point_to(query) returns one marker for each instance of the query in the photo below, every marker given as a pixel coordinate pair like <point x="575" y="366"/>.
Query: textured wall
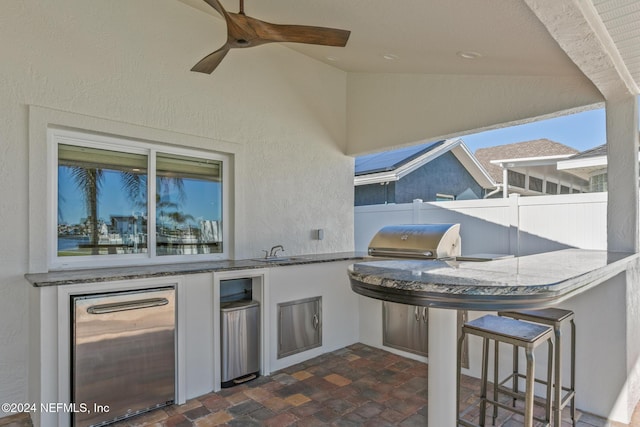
<point x="128" y="62"/>
<point x="419" y="107"/>
<point x="443" y="175"/>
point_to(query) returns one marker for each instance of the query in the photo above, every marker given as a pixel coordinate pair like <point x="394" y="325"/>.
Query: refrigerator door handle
<point x="129" y="305"/>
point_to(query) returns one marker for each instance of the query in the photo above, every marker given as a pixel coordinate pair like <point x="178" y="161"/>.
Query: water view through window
<point x="188" y="205"/>
<point x="103" y="203"/>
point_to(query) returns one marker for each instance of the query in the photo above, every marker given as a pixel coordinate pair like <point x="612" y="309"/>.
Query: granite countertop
<point x="512" y="283"/>
<point x="94" y="275"/>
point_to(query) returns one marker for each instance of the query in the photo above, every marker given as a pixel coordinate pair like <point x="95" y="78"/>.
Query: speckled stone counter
<point x="524" y="282"/>
<point x="95" y="275"/>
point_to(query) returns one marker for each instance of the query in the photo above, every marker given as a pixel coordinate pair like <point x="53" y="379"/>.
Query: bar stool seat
<point x="520" y="334"/>
<point x="554" y="317"/>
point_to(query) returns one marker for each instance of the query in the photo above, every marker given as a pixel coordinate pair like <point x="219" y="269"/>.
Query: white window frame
<point x="57" y="136"/>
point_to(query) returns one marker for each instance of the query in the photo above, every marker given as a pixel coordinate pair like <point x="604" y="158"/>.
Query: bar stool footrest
<point x="519" y="411"/>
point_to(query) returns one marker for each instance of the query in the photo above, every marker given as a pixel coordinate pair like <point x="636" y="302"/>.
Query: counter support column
<point x="442" y="367"/>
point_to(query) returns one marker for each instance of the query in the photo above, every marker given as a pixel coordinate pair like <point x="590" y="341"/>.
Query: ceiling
<point x="512" y="37"/>
<point x="423" y="36"/>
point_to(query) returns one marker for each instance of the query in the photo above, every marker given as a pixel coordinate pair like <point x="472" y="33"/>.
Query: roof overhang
<point x="543" y="166"/>
<point x="586" y="166"/>
<point x="530" y="161"/>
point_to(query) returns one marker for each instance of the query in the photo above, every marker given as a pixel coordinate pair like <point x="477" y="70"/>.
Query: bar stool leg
<point x="550" y="370"/>
<point x="573" y="372"/>
<point x="483" y="381"/>
<point x="528" y="403"/>
<point x="496" y="351"/>
<point x="557" y="384"/>
<point x="459" y="373"/>
<point x="516" y="377"/>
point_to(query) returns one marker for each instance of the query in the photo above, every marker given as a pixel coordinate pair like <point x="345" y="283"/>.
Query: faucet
<point x="274" y="251"/>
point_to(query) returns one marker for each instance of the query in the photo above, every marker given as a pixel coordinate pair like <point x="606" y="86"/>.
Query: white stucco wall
<point x="126" y="65"/>
<point x="420" y="107"/>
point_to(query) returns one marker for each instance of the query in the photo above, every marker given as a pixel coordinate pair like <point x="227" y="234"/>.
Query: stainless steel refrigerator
<point x="123" y="354"/>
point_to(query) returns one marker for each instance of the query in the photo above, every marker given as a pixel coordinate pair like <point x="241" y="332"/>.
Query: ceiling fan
<point x="245" y="31"/>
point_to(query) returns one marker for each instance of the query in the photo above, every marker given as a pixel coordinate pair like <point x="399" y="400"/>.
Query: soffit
<point x="425" y="36"/>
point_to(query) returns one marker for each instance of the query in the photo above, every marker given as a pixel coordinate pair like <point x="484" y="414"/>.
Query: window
<point x="552" y="188"/>
<point x="105" y="214"/>
<point x="598" y="182"/>
<point x="535" y="184"/>
<point x="444" y="197"/>
<point x="515" y="178"/>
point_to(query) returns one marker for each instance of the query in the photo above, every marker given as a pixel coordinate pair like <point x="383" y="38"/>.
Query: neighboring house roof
<point x="526" y="153"/>
<point x="585" y="163"/>
<point x="393" y="165"/>
<point x="391" y="160"/>
<point x="599" y="151"/>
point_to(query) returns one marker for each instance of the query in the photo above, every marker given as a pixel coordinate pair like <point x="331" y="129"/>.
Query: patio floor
<point x="354" y="386"/>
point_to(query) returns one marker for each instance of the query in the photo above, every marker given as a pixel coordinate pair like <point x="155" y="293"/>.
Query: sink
<point x="280" y="259"/>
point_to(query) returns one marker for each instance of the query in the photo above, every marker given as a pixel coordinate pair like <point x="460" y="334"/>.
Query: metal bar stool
<point x="520" y="334"/>
<point x="553" y="317"/>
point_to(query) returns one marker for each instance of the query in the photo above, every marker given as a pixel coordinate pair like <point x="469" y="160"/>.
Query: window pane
<point x="188" y="205"/>
<point x="515" y="178"/>
<point x="102" y="202"/>
<point x="535" y="184"/>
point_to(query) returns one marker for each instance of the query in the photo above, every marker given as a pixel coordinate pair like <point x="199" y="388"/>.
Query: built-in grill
<point x="422" y="241"/>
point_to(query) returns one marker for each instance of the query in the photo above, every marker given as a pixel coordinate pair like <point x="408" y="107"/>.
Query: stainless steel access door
<point x="123" y="353"/>
<point x="405" y="327"/>
<point x="299" y="326"/>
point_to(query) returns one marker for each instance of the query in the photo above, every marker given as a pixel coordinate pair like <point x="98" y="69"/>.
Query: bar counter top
<point x="95" y="275"/>
<point x="530" y="281"/>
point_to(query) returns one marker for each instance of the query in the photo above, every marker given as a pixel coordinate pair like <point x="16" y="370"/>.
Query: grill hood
<point x="423" y="241"/>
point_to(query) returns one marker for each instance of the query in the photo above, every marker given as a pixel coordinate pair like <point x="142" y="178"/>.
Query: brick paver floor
<point x="354" y="386"/>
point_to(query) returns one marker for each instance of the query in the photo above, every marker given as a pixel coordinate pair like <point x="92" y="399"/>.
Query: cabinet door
<point x="405" y="327"/>
<point x="299" y="326"/>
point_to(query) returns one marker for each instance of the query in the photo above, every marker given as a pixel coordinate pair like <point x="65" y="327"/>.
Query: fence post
<point x="417" y="211"/>
<point x="514" y="224"/>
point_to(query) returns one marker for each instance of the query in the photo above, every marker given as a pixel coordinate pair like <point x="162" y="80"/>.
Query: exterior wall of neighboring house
<point x="375" y="194"/>
<point x="443" y="175"/>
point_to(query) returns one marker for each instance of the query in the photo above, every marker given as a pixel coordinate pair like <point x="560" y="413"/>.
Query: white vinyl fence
<point x="517" y="225"/>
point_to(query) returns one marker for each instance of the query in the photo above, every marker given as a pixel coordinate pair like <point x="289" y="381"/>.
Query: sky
<point x="580" y="131"/>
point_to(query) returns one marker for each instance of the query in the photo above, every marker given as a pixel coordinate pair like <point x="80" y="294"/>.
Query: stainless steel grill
<point x="422" y="241"/>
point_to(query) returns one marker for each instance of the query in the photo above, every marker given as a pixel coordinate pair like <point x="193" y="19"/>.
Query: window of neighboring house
<point x="515" y="178"/>
<point x="444" y="197"/>
<point x="105" y="214"/>
<point x="535" y="184"/>
<point x="552" y="187"/>
<point x="564" y="189"/>
<point x="598" y="183"/>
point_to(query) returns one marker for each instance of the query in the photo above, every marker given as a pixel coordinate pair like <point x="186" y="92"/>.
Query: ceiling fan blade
<point x="301" y="34"/>
<point x="211" y="61"/>
<point x="217" y="6"/>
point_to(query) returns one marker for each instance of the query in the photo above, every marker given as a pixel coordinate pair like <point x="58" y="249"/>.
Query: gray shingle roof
<point x="600" y="150"/>
<point x="519" y="150"/>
